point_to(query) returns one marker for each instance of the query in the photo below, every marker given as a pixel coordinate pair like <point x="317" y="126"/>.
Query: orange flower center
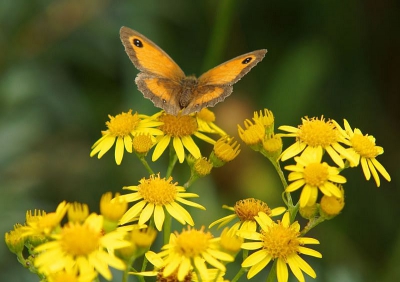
<point x="316" y="174"/>
<point x="247" y="209"/>
<point x="364" y="146"/>
<point x="178" y="126"/>
<point x="317" y="132"/>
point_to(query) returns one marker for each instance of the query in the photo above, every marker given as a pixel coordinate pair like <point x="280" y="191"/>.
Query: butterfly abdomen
<point x="188" y="87"/>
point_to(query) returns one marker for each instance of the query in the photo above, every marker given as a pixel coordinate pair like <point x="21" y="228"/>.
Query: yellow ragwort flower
<point x="42" y="223"/>
<point x="202" y="166"/>
<point x="205" y="121"/>
<point x="279" y="241"/>
<point x="155" y="195"/>
<point x="363" y="148"/>
<point x="14" y="240"/>
<point x="71" y="275"/>
<point x="245" y="210"/>
<point x="331" y="206"/>
<point x="179" y="130"/>
<point x="253" y="134"/>
<point x="142" y="144"/>
<point x="112" y="210"/>
<point x="230" y="241"/>
<point x="225" y="150"/>
<point x="311" y="173"/>
<point x="214" y="275"/>
<point x="122" y="128"/>
<point x="316" y="135"/>
<point x="192" y="249"/>
<point x="77" y="212"/>
<point x="84" y="246"/>
<point x="266" y="119"/>
<point x="141" y="240"/>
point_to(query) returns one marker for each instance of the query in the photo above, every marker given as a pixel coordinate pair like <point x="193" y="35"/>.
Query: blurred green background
<point x="63" y="69"/>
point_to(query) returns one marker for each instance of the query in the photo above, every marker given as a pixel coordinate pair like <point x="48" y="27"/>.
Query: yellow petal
<point x="160" y="147"/>
<point x="178" y="146"/>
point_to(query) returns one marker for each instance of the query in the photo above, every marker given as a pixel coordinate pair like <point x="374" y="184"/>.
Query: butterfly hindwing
<point x="164" y="93"/>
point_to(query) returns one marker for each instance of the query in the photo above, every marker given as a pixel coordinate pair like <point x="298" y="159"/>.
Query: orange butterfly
<point x="163" y="82"/>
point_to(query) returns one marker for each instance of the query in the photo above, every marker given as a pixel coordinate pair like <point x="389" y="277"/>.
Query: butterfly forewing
<point x="147" y="56"/>
<point x="233" y="70"/>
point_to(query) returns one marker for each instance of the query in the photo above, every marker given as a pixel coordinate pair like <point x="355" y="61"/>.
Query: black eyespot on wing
<point x="137" y="43"/>
<point x="247" y="60"/>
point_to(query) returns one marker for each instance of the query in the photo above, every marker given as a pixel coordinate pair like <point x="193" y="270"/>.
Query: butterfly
<point x="163" y="82"/>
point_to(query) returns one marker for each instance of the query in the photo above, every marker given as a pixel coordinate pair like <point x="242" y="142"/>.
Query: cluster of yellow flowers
<point x="72" y="244"/>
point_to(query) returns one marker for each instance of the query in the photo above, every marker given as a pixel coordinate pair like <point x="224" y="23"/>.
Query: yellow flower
<point x="213" y="274"/>
<point x="230" y="241"/>
<point x="279" y="241"/>
<point x="202" y="167"/>
<point x="42" y="223"/>
<point x="112" y="210"/>
<point x="311" y="173"/>
<point x="266" y="119"/>
<point x="14" y="239"/>
<point x="141" y="240"/>
<point x="225" y="150"/>
<point x="253" y="134"/>
<point x="123" y="128"/>
<point x="77" y="212"/>
<point x="155" y="195"/>
<point x="272" y="146"/>
<point x="71" y="275"/>
<point x="314" y="136"/>
<point x="179" y="130"/>
<point x="245" y="210"/>
<point x="142" y="144"/>
<point x="205" y="121"/>
<point x="331" y="205"/>
<point x="192" y="249"/>
<point x="362" y="147"/>
<point x="82" y="246"/>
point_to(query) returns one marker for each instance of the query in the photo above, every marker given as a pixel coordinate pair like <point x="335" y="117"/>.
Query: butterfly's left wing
<point x="216" y="84"/>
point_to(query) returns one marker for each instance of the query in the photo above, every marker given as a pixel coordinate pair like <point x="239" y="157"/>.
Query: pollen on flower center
<point x="316" y="174"/>
<point x="178" y="126"/>
<point x="192" y="242"/>
<point x="158" y="191"/>
<point x="279" y="241"/>
<point x="79" y="240"/>
<point x="247" y="209"/>
<point x="317" y="132"/>
<point x="121" y="125"/>
<point x="364" y="146"/>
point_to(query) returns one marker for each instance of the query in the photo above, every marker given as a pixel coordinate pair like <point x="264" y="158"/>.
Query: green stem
<point x="311" y="224"/>
<point x="128" y="268"/>
<point x="191" y="180"/>
<point x="167" y="228"/>
<point x="272" y="274"/>
<point x="173" y="158"/>
<point x="146" y="164"/>
<point x="223" y="20"/>
<point x="243" y="269"/>
<point x="239" y="274"/>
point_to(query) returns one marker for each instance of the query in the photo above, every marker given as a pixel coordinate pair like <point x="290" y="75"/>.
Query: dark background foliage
<point x="63" y="69"/>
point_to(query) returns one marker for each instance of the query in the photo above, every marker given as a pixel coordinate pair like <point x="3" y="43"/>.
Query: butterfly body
<point x="163" y="82"/>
